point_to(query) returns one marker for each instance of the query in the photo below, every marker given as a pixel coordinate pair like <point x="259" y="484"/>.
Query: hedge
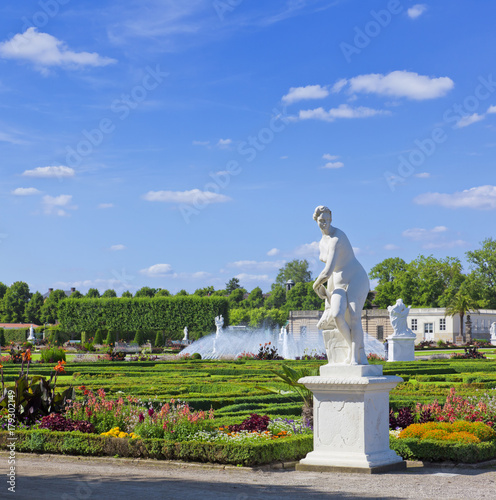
<point x="170" y="314"/>
<point x="15" y="335"/>
<point x="77" y="443"/>
<point x="435" y="450"/>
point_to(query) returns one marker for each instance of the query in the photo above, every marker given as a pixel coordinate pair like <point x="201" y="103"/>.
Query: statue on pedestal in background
<point x="346" y="292"/>
<point x="398" y="315"/>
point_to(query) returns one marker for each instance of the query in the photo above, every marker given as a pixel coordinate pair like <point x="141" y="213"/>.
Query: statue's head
<point x="323" y="216"/>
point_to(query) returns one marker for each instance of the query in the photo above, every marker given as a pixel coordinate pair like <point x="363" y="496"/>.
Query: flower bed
<point x="461" y="441"/>
<point x="256" y="452"/>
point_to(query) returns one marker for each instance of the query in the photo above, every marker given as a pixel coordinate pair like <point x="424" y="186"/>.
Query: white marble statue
<point x="345" y="295"/>
<point x="219" y="323"/>
<point x="398" y="315"/>
<point x="186" y="334"/>
<point x="493" y="333"/>
<point x="31" y="333"/>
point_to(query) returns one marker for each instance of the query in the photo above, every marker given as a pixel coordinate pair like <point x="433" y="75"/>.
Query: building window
<point x="414" y="325"/>
<point x="380" y="333"/>
<point x="442" y="324"/>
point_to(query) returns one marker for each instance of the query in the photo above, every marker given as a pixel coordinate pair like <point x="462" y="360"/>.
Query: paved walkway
<point x="41" y="477"/>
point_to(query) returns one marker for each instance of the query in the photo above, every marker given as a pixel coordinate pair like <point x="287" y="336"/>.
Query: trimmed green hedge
<point x="15" y="335"/>
<point x="435" y="450"/>
<point x="77" y="443"/>
<point x="170" y="314"/>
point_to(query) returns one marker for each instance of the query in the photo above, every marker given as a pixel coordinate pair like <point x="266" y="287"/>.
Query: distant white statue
<point x="398" y="315"/>
<point x="345" y="295"/>
<point x="31" y="333"/>
<point x="186" y="334"/>
<point x="493" y="333"/>
<point x="219" y="323"/>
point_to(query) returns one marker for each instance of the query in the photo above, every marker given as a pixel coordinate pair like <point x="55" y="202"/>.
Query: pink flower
<point x="141" y="418"/>
<point x="150" y="412"/>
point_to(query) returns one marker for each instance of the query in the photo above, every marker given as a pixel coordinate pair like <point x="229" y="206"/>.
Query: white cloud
<point x="334" y="164"/>
<point x="418" y="233"/>
<point x="416" y="11"/>
<point x="478" y="198"/>
<point x="296" y="94"/>
<point x="423" y="175"/>
<point x="50" y="172"/>
<point x="252" y="277"/>
<point x="106" y="205"/>
<point x="468" y="120"/>
<point x="272" y="252"/>
<point x="308" y="250"/>
<point x="253" y="264"/>
<point x="342" y="111"/>
<point x="157" y="270"/>
<point x="4" y="137"/>
<point x="398" y="84"/>
<point x="117" y="248"/>
<point x="329" y="157"/>
<point x="491" y="109"/>
<point x="44" y="51"/>
<point x="390" y="246"/>
<point x="192" y="196"/>
<point x="25" y="191"/>
<point x="224" y="143"/>
<point x="57" y="205"/>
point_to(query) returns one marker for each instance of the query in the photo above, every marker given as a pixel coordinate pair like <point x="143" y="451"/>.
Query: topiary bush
<point x="139" y="338"/>
<point x="110" y="338"/>
<point x="98" y="337"/>
<point x="159" y="339"/>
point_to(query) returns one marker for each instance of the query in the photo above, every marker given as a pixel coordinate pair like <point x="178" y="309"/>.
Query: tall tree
<point x="204" y="292"/>
<point x="232" y="284"/>
<point x="76" y="294"/>
<point x="32" y="313"/>
<point x="388" y="273"/>
<point x="3" y="289"/>
<point x="108" y="294"/>
<point x="162" y="292"/>
<point x="461" y="304"/>
<point x="14" y="302"/>
<point x="146" y="291"/>
<point x="255" y="299"/>
<point x="296" y="270"/>
<point x="93" y="293"/>
<point x="483" y="265"/>
<point x="49" y="310"/>
<point x="277" y="298"/>
<point x="127" y="294"/>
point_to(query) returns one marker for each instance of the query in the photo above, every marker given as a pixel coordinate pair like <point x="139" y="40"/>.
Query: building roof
<point x="9" y="326"/>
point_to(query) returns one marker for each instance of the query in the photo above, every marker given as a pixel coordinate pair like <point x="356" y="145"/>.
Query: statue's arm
<point x="326" y="273"/>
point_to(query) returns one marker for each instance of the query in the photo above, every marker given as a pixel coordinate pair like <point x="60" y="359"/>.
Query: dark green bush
<point x="196" y="355"/>
<point x="2" y="337"/>
<point x="159" y="339"/>
<point x="15" y="335"/>
<point x="110" y="340"/>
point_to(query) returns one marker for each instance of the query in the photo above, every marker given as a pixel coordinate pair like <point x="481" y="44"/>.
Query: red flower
<point x="150" y="412"/>
<point x="141" y="418"/>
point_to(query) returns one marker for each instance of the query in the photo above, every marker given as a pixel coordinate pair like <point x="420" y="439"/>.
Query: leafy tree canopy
<point x="14" y="302"/>
<point x="232" y="285"/>
<point x="108" y="294"/>
<point x="296" y="270"/>
<point x="146" y="291"/>
<point x="93" y="293"/>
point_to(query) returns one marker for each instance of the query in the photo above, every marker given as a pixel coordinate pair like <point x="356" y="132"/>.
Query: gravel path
<point x="41" y="477"/>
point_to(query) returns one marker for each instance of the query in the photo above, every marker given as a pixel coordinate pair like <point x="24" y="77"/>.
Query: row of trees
<point x="423" y="282"/>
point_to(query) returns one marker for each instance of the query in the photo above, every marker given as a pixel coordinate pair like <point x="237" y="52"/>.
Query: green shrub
<point x="139" y="338"/>
<point x="159" y="339"/>
<point x="52" y="355"/>
<point x="98" y="337"/>
<point x="2" y="337"/>
<point x="110" y="340"/>
<point x="196" y="355"/>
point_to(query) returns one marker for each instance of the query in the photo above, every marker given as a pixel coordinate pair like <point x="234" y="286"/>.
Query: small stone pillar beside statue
<point x="401" y="344"/>
<point x="350" y="397"/>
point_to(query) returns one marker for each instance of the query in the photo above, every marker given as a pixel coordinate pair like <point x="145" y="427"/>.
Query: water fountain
<point x="230" y="343"/>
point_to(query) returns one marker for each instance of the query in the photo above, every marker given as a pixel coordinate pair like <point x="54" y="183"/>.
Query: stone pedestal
<point x="351" y="420"/>
<point x="493" y="340"/>
<point x="401" y="348"/>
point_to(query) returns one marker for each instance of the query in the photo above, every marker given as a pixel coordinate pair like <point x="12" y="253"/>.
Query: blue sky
<point x="177" y="144"/>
